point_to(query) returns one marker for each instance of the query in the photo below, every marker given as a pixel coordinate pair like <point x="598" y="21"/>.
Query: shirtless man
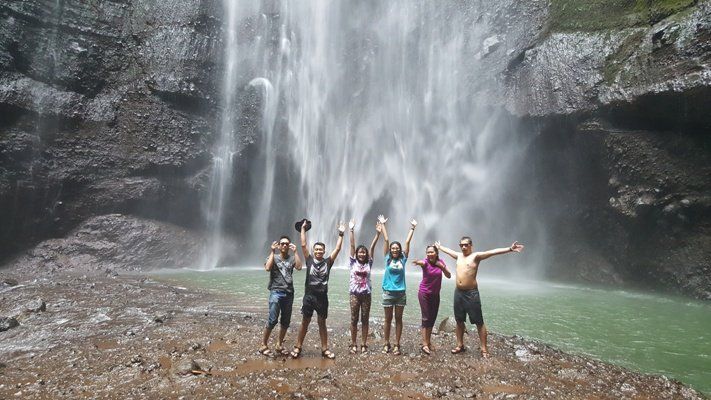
<point x="466" y="296"/>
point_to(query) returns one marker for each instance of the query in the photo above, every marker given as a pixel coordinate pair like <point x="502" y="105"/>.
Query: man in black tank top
<point x="318" y="270"/>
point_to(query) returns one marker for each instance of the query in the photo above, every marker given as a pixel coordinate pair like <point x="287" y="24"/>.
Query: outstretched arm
<point x="515" y="247"/>
<point x="304" y="242"/>
<point x="419" y="263"/>
<point x="448" y="251"/>
<point x="378" y="230"/>
<point x="270" y="260"/>
<point x="413" y="225"/>
<point x="339" y="243"/>
<point x="351" y="229"/>
<point x="386" y="242"/>
<point x="297" y="259"/>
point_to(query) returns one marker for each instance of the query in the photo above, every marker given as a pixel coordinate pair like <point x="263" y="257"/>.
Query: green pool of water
<point x="646" y="332"/>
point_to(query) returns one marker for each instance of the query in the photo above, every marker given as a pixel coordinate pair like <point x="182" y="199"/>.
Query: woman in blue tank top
<point x="394" y="297"/>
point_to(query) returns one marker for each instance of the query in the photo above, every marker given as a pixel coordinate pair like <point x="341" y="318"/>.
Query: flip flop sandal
<point x="265" y="351"/>
<point x="296" y="353"/>
<point x="386" y="348"/>
<point x="485" y="354"/>
<point x="353" y="349"/>
<point x="459" y="349"/>
<point x="328" y="354"/>
<point x="363" y="349"/>
<point x="426" y="349"/>
<point x="281" y="351"/>
<point x="396" y="350"/>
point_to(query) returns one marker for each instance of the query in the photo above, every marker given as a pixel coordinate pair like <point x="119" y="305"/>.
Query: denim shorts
<point x="394" y="298"/>
<point x="280" y="302"/>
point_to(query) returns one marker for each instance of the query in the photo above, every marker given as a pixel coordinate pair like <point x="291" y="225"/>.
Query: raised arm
<point x="297" y="259"/>
<point x="351" y="229"/>
<point x="304" y="242"/>
<point x="339" y="243"/>
<point x="378" y="230"/>
<point x="448" y="251"/>
<point x="413" y="225"/>
<point x="270" y="260"/>
<point x="382" y="220"/>
<point x="514" y="248"/>
<point x="441" y="265"/>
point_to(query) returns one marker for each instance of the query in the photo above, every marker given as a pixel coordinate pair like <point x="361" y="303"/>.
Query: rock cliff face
<point x="620" y="103"/>
<point x="105" y="106"/>
<point x="112" y="106"/>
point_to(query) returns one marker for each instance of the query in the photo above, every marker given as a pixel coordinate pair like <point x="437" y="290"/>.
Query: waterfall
<point x="379" y="116"/>
<point x="223" y="156"/>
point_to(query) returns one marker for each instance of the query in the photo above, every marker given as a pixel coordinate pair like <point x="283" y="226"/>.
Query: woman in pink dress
<point x="432" y="269"/>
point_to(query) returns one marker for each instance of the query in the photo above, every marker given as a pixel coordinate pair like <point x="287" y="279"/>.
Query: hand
<point x="382" y="219"/>
<point x="413" y="223"/>
<point x="351" y="224"/>
<point x="275" y="244"/>
<point x="438" y="245"/>
<point x="292" y="247"/>
<point x="341" y="228"/>
<point x="379" y="227"/>
<point x="517" y="247"/>
<point x="303" y="225"/>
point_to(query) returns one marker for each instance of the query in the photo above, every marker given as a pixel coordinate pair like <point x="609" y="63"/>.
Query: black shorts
<point x="315" y="301"/>
<point x="467" y="302"/>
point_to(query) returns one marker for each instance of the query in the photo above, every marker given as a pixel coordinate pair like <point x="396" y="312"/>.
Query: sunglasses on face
<point x="464" y="244"/>
<point x="284" y="244"/>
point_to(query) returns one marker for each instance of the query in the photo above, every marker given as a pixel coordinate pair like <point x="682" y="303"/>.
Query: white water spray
<point x="380" y="117"/>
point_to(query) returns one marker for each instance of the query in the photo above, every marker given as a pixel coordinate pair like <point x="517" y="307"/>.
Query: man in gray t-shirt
<point x="280" y="265"/>
<point x="318" y="269"/>
<point x="280" y="278"/>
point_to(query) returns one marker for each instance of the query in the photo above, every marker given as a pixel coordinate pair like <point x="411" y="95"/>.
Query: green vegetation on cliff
<point x="594" y="15"/>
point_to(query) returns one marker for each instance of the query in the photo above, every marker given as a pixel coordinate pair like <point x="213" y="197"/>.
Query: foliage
<point x="593" y="15"/>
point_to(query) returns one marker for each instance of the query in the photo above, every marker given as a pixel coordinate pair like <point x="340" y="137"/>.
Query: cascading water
<point x="221" y="176"/>
<point x="380" y="117"/>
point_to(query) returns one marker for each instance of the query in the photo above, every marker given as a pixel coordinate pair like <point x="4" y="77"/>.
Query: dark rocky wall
<point x="624" y="149"/>
<point x="105" y="106"/>
<point x="112" y="106"/>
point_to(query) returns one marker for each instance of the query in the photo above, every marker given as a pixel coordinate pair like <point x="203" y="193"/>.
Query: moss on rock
<point x="595" y="15"/>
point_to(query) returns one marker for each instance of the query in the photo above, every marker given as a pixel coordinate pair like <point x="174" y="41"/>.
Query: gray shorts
<point x="467" y="303"/>
<point x="394" y="298"/>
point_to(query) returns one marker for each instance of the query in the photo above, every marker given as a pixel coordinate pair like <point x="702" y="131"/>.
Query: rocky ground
<point x="69" y="334"/>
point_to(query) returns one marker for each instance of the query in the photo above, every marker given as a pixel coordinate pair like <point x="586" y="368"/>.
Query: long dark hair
<point x="398" y="245"/>
<point x="367" y="256"/>
<point x="436" y="250"/>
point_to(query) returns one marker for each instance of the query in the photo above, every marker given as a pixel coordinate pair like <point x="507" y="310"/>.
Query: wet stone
<point x="36" y="305"/>
<point x="7" y="282"/>
<point x="186" y="366"/>
<point x="7" y="323"/>
<point x="160" y="318"/>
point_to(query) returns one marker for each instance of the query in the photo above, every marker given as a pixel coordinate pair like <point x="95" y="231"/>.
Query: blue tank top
<point x="394" y="278"/>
